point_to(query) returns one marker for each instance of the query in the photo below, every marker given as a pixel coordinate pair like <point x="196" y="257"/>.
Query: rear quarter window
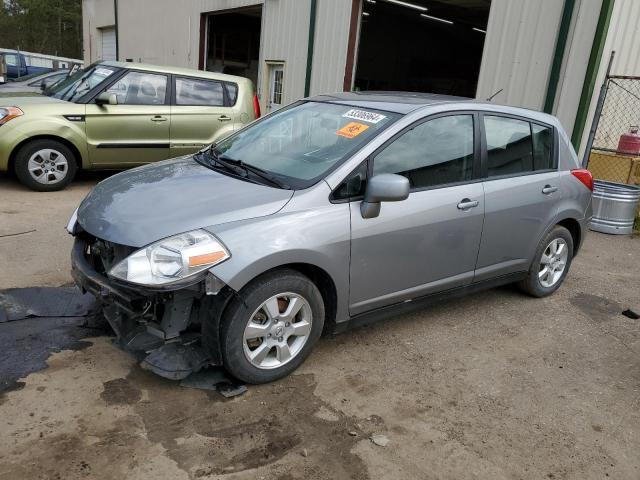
<point x="516" y="146"/>
<point x="232" y="91"/>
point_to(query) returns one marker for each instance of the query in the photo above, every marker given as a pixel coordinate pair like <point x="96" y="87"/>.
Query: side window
<point x="542" y="147"/>
<point x="232" y="91"/>
<point x="193" y="91"/>
<point x="436" y="152"/>
<point x="509" y="146"/>
<point x="354" y="185"/>
<point x="137" y="88"/>
<point x="11" y="60"/>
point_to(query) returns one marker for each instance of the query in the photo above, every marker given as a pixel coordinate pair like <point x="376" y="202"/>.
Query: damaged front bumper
<point x="161" y="327"/>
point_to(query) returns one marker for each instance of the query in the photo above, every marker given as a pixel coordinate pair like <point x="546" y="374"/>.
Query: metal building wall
<point x="579" y="44"/>
<point x="518" y="51"/>
<point x="95" y="14"/>
<point x="285" y="34"/>
<point x="331" y="39"/>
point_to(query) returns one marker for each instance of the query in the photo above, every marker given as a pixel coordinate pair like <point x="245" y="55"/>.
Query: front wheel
<point x="550" y="264"/>
<point x="45" y="165"/>
<point x="269" y="330"/>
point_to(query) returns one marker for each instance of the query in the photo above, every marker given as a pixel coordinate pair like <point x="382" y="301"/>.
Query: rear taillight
<point x="256" y="106"/>
<point x="584" y="176"/>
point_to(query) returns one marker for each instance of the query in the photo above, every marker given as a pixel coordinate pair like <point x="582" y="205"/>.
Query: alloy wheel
<point x="277" y="331"/>
<point x="553" y="262"/>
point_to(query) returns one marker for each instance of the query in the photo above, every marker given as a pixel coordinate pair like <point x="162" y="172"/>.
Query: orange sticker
<point x="352" y="130"/>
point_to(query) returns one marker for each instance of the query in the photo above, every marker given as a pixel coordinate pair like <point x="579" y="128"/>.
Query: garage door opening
<point x="430" y="46"/>
<point x="233" y="42"/>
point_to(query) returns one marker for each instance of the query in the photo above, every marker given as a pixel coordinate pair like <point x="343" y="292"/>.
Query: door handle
<point x="466" y="204"/>
<point x="224" y="118"/>
<point x="159" y="118"/>
<point x="548" y="189"/>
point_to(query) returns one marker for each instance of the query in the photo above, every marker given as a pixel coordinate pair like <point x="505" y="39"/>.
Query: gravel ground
<point x="494" y="386"/>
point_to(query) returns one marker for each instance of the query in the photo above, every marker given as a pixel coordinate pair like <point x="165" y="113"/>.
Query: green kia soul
<point x="115" y="115"/>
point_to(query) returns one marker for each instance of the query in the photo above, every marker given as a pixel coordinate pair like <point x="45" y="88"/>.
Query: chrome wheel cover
<point x="277" y="331"/>
<point x="553" y="262"/>
<point x="48" y="166"/>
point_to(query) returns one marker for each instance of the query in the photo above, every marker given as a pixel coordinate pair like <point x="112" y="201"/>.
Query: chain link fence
<point x="619" y="115"/>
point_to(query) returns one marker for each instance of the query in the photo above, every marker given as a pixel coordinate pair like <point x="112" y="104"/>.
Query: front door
<point x="199" y="115"/>
<point x="136" y="130"/>
<point x="521" y="193"/>
<point x="430" y="241"/>
<point x="276" y="86"/>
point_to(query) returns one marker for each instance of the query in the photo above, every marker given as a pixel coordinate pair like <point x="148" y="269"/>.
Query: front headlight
<point x="9" y="113"/>
<point x="172" y="259"/>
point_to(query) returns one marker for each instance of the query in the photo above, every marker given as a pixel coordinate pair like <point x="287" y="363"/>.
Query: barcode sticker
<point x="364" y="116"/>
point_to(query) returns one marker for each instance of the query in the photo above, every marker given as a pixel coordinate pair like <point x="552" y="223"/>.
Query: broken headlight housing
<point x="171" y="260"/>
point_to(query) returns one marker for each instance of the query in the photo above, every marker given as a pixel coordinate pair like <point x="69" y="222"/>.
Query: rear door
<point x="521" y="192"/>
<point x="137" y="129"/>
<point x="428" y="242"/>
<point x="200" y="114"/>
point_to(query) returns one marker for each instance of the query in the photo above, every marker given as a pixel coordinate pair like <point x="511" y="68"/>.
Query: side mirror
<point x="386" y="187"/>
<point x="106" y="98"/>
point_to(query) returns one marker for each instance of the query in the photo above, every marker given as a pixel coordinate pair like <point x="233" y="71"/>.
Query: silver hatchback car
<point x="334" y="211"/>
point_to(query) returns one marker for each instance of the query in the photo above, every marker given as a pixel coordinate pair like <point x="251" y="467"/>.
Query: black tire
<point x="532" y="284"/>
<point x="242" y="307"/>
<point x="24" y="155"/>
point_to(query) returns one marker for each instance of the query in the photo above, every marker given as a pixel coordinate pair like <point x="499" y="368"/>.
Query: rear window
<point x="198" y="92"/>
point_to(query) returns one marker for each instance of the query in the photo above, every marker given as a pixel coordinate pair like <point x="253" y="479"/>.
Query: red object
<point x="630" y="142"/>
<point x="256" y="106"/>
<point x="584" y="176"/>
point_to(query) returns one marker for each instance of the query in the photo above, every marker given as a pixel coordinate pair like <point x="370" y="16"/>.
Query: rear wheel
<point x="45" y="165"/>
<point x="272" y="327"/>
<point x="551" y="263"/>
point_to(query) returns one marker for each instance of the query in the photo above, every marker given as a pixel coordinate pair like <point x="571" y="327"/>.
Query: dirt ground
<point x="493" y="386"/>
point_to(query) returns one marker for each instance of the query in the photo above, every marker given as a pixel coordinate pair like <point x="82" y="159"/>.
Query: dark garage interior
<point x="430" y="46"/>
<point x="233" y="42"/>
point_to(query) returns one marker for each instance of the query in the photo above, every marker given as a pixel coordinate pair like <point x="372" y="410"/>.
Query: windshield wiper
<point x="233" y="165"/>
<point x="217" y="163"/>
<point x="255" y="170"/>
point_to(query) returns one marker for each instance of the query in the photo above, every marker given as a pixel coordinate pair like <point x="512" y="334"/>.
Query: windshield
<point x="304" y="142"/>
<point x="81" y="82"/>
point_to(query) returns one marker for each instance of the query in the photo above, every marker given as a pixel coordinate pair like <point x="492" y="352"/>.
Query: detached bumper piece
<point x="161" y="328"/>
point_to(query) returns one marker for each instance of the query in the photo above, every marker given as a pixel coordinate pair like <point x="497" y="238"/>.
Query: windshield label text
<point x="364" y="116"/>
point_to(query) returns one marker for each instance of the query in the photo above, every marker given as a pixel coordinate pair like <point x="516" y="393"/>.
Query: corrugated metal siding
<point x="577" y="52"/>
<point x="518" y="51"/>
<point x="285" y="34"/>
<point x="330" y="55"/>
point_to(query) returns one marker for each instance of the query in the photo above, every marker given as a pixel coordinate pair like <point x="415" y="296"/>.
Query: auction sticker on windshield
<point x="352" y="130"/>
<point x="364" y="116"/>
<point x="104" y="72"/>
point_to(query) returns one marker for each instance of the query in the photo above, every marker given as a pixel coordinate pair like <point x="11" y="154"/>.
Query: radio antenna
<point x="495" y="95"/>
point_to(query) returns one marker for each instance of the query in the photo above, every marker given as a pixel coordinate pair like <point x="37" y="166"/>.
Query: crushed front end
<point x="161" y="324"/>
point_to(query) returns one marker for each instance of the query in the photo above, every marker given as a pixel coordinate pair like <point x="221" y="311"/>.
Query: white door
<point x="276" y="87"/>
<point x="108" y="43"/>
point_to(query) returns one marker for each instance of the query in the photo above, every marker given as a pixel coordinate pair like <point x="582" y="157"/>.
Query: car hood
<point x="28" y="103"/>
<point x="143" y="205"/>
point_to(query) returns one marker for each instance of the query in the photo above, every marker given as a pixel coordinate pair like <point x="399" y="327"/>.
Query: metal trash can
<point x="614" y="207"/>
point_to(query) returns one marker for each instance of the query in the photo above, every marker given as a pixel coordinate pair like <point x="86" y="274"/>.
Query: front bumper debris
<point x="161" y="328"/>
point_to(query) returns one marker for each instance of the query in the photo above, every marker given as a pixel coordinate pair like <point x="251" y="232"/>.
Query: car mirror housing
<point x="106" y="98"/>
<point x="386" y="187"/>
